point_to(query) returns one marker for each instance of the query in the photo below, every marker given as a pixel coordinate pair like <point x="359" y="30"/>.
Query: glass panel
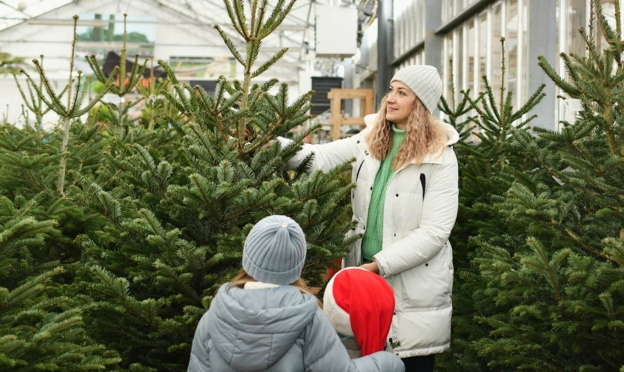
<point x="447" y="10"/>
<point x="497" y="20"/>
<point x="458" y="63"/>
<point x="447" y="77"/>
<point x="483" y="50"/>
<point x="405" y="36"/>
<point x="562" y="13"/>
<point x="523" y="44"/>
<point x="411" y="30"/>
<point x="459" y="6"/>
<point x="396" y="11"/>
<point x="471" y="63"/>
<point x="413" y="25"/>
<point x="511" y="46"/>
<point x="421" y="20"/>
<point x="576" y="44"/>
<point x="409" y="25"/>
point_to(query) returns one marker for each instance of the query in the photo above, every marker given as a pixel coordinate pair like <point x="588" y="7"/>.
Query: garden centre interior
<point x="372" y="39"/>
<point x="170" y="170"/>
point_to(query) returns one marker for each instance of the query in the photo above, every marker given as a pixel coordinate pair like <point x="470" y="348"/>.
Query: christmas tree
<point x="489" y="158"/>
<point x="547" y="278"/>
<point x="41" y="324"/>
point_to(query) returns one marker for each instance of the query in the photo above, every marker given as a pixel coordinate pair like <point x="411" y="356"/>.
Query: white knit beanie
<point x="424" y="81"/>
<point x="275" y="251"/>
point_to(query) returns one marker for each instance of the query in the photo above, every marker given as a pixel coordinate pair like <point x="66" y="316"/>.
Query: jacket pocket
<point x="406" y="212"/>
<point x="427" y="285"/>
<point x="354" y="257"/>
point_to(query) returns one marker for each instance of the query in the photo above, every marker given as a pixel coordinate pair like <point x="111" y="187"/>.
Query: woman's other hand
<point x="372" y="267"/>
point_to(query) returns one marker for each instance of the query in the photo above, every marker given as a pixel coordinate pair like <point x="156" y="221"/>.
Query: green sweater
<point x="373" y="236"/>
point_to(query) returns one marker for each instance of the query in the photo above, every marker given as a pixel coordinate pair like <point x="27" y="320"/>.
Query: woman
<point x="405" y="204"/>
<point x="266" y="319"/>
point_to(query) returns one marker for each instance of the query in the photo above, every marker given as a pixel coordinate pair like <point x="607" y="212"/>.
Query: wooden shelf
<point x="336" y="96"/>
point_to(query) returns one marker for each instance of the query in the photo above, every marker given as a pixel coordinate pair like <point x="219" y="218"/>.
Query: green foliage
<point x="40" y="328"/>
<point x="133" y="37"/>
<point x="77" y="89"/>
<point x="33" y="101"/>
<point x="155" y="208"/>
<point x="540" y="215"/>
<point x="488" y="155"/>
<point x="157" y="110"/>
<point x="113" y="267"/>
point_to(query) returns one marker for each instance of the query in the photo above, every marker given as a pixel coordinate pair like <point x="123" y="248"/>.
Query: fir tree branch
<point x="30" y="288"/>
<point x="55" y="101"/>
<point x="230" y="44"/>
<point x="570" y="89"/>
<point x="617" y="42"/>
<point x="169" y="71"/>
<point x="254" y="10"/>
<point x="254" y="146"/>
<point x="30" y="106"/>
<point x="277" y="17"/>
<point x="240" y="17"/>
<point x="253" y="46"/>
<point x="95" y="67"/>
<point x="232" y="16"/>
<point x="265" y="66"/>
<point x="261" y="14"/>
<point x="71" y="103"/>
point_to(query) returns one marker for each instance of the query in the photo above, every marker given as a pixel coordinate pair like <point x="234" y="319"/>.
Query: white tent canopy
<point x="180" y="32"/>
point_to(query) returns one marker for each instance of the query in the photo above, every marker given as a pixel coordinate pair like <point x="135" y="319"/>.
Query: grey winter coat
<point x="274" y="329"/>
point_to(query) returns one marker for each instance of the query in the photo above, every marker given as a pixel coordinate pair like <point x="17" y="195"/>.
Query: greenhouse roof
<point x="295" y="32"/>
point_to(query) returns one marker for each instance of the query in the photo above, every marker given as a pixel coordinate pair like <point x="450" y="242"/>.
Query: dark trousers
<point x="419" y="363"/>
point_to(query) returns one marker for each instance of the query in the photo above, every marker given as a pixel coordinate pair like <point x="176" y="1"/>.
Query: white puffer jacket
<point x="416" y="258"/>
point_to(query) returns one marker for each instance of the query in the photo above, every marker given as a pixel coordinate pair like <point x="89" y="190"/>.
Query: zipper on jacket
<point x="423" y="183"/>
<point x="358" y="172"/>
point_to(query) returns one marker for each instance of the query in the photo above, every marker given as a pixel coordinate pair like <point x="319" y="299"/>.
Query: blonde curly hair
<point x="242" y="278"/>
<point x="424" y="134"/>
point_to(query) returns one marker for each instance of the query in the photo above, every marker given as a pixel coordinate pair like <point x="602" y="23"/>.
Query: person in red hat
<point x="360" y="306"/>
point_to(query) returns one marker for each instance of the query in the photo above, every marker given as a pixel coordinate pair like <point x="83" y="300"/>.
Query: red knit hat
<point x="360" y="303"/>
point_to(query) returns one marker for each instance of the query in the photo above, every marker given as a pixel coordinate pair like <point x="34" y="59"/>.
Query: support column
<point x="385" y="48"/>
<point x="433" y="42"/>
<point x="541" y="41"/>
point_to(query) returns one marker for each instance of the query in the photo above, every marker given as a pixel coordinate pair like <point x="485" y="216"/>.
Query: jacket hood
<point x="252" y="329"/>
<point x="451" y="133"/>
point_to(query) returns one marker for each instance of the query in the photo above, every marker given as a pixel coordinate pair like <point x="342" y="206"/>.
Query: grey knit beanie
<point x="275" y="251"/>
<point x="424" y="81"/>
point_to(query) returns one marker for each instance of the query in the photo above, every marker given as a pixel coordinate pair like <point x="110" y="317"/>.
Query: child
<point x="360" y="305"/>
<point x="266" y="320"/>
